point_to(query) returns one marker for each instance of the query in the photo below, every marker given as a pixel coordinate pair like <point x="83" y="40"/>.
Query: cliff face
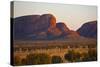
<point x="45" y="27"/>
<point x="31" y="25"/>
<point x="63" y="28"/>
<point x="88" y="29"/>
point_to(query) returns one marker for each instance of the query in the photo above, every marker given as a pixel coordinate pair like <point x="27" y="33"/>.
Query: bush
<point x="23" y="61"/>
<point x="91" y="55"/>
<point x="69" y="56"/>
<point x="72" y="56"/>
<point x="37" y="59"/>
<point x="17" y="60"/>
<point x="56" y="59"/>
<point x="77" y="57"/>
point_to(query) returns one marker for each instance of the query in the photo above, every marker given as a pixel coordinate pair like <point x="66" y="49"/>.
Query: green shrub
<point x="23" y="61"/>
<point x="38" y="59"/>
<point x="56" y="59"/>
<point x="91" y="55"/>
<point x="17" y="60"/>
<point x="69" y="56"/>
<point x="72" y="56"/>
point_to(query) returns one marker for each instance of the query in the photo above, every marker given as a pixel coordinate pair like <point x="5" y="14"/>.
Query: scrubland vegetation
<point x="63" y="52"/>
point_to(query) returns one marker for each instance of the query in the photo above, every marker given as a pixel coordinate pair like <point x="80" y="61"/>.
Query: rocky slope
<point x="88" y="29"/>
<point x="40" y="27"/>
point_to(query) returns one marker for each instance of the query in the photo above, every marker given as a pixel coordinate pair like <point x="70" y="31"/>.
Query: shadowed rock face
<point x="32" y="24"/>
<point x="45" y="27"/>
<point x="73" y="34"/>
<point x="66" y="32"/>
<point x="54" y="32"/>
<point x="64" y="29"/>
<point x="88" y="29"/>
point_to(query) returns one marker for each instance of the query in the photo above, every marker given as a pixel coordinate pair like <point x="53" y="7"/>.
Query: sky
<point x="72" y="15"/>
